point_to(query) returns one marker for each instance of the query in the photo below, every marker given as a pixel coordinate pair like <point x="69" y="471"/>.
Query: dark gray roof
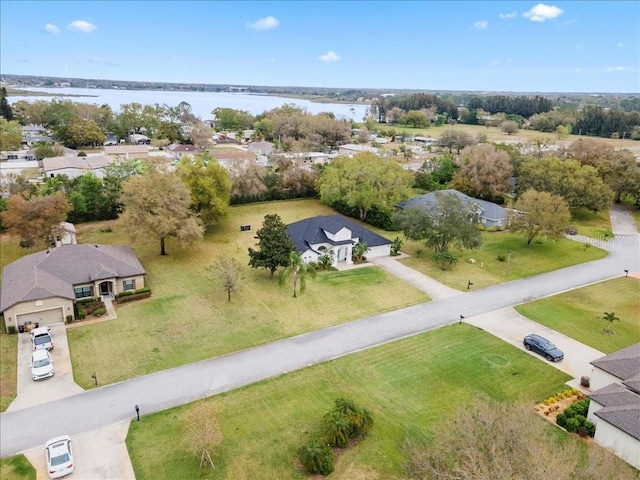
<point x="633" y="383"/>
<point x="614" y="395"/>
<point x="623" y="364"/>
<point x="623" y="417"/>
<point x="54" y="272"/>
<point x="312" y="231"/>
<point x="490" y="210"/>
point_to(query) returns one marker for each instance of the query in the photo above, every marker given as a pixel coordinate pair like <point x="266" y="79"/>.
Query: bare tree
<point x="204" y="432"/>
<point x="498" y="441"/>
<point x="229" y="273"/>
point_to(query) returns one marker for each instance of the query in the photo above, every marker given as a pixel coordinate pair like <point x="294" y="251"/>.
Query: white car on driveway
<point x="41" y="338"/>
<point x="41" y="365"/>
<point x="59" y="456"/>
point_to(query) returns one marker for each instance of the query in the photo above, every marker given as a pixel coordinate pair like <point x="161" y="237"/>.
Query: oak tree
<point x="35" y="221"/>
<point x="580" y="185"/>
<point x="156" y="206"/>
<point x="540" y="213"/>
<point x="364" y="181"/>
<point x="449" y="222"/>
<point x="484" y="172"/>
<point x="209" y="185"/>
<point x="10" y="134"/>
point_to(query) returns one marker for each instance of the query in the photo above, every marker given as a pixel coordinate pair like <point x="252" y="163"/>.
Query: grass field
<point x="8" y="368"/>
<point x="188" y="317"/>
<point x="408" y="385"/>
<point x="488" y="270"/>
<point x="578" y="313"/>
<point x="494" y="134"/>
<point x="17" y="468"/>
<point x="591" y="224"/>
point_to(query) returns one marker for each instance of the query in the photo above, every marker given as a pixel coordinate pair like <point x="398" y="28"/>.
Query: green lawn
<point x="540" y="257"/>
<point x="188" y="317"/>
<point x="408" y="385"/>
<point x="591" y="224"/>
<point x="17" y="468"/>
<point x="8" y="368"/>
<point x="578" y="313"/>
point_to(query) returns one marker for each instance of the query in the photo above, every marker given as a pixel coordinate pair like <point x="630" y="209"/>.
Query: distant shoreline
<point x="12" y="92"/>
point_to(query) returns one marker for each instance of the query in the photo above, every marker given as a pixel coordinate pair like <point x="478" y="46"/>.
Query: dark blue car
<point x="544" y="347"/>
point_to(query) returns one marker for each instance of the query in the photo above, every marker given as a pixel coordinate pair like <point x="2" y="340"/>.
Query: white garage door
<point x="44" y="317"/>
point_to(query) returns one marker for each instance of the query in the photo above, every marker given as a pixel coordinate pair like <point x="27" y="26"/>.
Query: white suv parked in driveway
<point x="41" y="365"/>
<point x="41" y="338"/>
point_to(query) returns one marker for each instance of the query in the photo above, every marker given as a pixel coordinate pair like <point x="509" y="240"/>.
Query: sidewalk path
<point x="431" y="287"/>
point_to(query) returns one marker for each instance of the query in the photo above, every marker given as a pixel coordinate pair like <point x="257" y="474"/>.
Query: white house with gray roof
<point x="42" y="287"/>
<point x="488" y="214"/>
<point x="614" y="406"/>
<point x="74" y="167"/>
<point x="317" y="236"/>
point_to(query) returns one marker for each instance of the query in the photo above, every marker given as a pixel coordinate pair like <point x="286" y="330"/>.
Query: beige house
<point x="43" y="287"/>
<point x="127" y="152"/>
<point x="614" y="406"/>
<point x="74" y="167"/>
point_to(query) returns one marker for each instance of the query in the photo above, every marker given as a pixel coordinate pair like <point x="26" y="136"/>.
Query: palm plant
<point x="298" y="271"/>
<point x="609" y="317"/>
<point x="359" y="251"/>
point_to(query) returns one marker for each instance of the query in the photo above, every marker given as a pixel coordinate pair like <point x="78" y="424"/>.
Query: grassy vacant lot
<point x="8" y="368"/>
<point x="17" y="468"/>
<point x="494" y="134"/>
<point x="488" y="270"/>
<point x="591" y="224"/>
<point x="578" y="313"/>
<point x="408" y="385"/>
<point x="188" y="317"/>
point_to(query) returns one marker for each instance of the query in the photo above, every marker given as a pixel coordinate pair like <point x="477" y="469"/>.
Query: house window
<point x="129" y="284"/>
<point x="84" y="292"/>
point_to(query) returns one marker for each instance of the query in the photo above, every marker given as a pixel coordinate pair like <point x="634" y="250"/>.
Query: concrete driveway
<point x="510" y="326"/>
<point x="61" y="385"/>
<point x="99" y="454"/>
<point x="622" y="222"/>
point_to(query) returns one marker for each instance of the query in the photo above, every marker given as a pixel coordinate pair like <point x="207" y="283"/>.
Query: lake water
<point x="202" y="103"/>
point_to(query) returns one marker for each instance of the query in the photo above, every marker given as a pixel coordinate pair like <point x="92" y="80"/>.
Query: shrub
<point x="591" y="428"/>
<point x="396" y="245"/>
<point x="336" y="429"/>
<point x="445" y="260"/>
<point x="69" y="318"/>
<point x="143" y="290"/>
<point x="126" y="293"/>
<point x="82" y="153"/>
<point x="561" y="420"/>
<point x="11" y="329"/>
<point x="106" y="230"/>
<point x="87" y="300"/>
<point x="99" y="312"/>
<point x="572" y="425"/>
<point x="501" y="258"/>
<point x="316" y="457"/>
<point x="81" y="313"/>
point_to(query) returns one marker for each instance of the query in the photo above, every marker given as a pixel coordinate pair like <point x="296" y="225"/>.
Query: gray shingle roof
<point x="614" y="395"/>
<point x="623" y="364"/>
<point x="490" y="210"/>
<point x="54" y="272"/>
<point x="311" y="231"/>
<point x="624" y="417"/>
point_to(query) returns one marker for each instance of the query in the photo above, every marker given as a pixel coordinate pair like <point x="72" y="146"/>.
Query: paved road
<point x="30" y="427"/>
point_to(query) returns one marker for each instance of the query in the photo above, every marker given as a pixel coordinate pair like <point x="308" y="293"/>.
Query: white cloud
<point x="497" y="61"/>
<point x="81" y="26"/>
<point x="620" y="45"/>
<point x="542" y="12"/>
<point x="51" y="28"/>
<point x="329" y="57"/>
<point x="481" y="25"/>
<point x="619" y="69"/>
<point x="508" y="16"/>
<point x="265" y="23"/>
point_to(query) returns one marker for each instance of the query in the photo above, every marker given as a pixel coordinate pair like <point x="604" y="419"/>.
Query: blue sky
<point x="591" y="46"/>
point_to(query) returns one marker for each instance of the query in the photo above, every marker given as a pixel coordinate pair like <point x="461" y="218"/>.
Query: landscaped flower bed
<point x="568" y="410"/>
<point x="130" y="295"/>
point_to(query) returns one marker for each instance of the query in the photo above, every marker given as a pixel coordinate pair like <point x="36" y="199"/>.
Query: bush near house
<point x="130" y="295"/>
<point x="574" y="419"/>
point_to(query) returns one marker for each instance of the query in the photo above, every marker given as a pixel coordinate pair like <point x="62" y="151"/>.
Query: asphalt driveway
<point x="61" y="385"/>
